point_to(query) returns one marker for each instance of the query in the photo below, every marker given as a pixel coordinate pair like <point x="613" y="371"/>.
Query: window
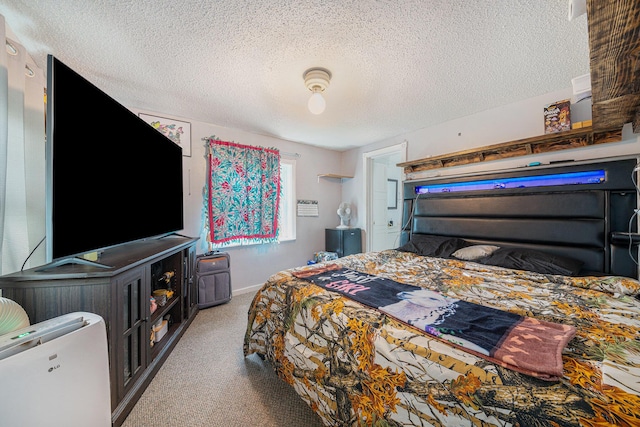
<point x="287" y="200"/>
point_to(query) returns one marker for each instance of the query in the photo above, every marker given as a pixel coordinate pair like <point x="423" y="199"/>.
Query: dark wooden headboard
<point x="580" y="220"/>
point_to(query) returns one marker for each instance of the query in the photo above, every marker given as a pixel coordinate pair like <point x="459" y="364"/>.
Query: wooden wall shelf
<point x="535" y="145"/>
<point x="333" y="176"/>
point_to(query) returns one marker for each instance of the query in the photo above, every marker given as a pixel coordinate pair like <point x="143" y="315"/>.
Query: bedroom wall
<point x="510" y="122"/>
<point x="252" y="265"/>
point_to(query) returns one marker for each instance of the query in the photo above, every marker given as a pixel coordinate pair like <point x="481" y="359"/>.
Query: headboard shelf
<point x="522" y="147"/>
<point x="584" y="220"/>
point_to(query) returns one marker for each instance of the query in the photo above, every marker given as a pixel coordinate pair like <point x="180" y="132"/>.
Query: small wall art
<point x="176" y="130"/>
<point x="392" y="194"/>
<point x="308" y="208"/>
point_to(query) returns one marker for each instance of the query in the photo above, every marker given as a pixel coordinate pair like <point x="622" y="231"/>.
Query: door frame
<point x="367" y="159"/>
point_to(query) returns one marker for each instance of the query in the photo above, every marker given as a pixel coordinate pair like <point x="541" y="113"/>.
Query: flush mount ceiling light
<point x="316" y="80"/>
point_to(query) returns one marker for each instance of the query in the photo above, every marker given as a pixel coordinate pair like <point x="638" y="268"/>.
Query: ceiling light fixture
<point x="316" y="80"/>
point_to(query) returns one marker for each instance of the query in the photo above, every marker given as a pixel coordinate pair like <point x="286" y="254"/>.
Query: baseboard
<point x="248" y="289"/>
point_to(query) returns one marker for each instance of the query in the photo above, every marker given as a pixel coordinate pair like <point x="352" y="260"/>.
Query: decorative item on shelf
<point x="582" y="124"/>
<point x="316" y="80"/>
<point x="344" y="212"/>
<point x="160" y="329"/>
<point x="557" y="116"/>
<point x="153" y="304"/>
<point x="12" y="316"/>
<point x="166" y="277"/>
<point x="162" y="296"/>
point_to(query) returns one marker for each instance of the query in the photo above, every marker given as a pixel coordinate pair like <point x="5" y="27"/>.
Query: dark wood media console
<point x="121" y="294"/>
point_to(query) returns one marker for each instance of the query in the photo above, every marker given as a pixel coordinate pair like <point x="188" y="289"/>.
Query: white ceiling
<point x="397" y="65"/>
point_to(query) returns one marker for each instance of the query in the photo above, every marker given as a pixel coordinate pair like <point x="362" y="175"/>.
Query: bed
<point x="557" y="255"/>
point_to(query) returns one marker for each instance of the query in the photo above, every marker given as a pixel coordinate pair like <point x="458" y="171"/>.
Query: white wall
<point x="510" y="122"/>
<point x="252" y="265"/>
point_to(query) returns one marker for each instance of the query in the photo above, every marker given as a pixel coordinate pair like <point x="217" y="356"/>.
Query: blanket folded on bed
<point x="524" y="344"/>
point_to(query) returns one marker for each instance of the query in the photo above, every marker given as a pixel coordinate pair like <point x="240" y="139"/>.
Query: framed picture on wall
<point x="176" y="130"/>
<point x="392" y="194"/>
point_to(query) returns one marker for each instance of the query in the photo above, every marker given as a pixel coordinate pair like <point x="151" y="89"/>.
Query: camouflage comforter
<point x="356" y="366"/>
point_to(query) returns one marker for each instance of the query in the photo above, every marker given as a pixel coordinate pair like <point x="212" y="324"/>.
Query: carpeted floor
<point x="207" y="381"/>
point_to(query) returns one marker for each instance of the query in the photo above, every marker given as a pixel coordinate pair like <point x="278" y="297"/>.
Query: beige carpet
<point x="206" y="381"/>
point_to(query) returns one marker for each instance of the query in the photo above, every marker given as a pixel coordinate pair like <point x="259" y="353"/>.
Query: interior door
<point x="379" y="206"/>
<point x="382" y="221"/>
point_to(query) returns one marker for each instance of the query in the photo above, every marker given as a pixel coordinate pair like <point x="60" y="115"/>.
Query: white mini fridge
<point x="56" y="373"/>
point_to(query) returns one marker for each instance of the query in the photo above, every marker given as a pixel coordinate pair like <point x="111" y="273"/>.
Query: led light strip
<point x="556" y="179"/>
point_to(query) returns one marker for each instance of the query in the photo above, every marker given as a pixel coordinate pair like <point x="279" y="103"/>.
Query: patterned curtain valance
<point x="242" y="194"/>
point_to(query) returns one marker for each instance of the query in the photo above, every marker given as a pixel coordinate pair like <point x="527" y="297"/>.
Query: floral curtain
<point x="242" y="193"/>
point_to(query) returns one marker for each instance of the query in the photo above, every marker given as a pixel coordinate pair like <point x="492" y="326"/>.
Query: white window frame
<point x="287" y="206"/>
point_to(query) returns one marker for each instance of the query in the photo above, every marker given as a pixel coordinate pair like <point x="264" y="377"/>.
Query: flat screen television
<point x="111" y="178"/>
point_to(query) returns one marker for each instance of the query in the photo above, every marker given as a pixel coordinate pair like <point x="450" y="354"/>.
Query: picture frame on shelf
<point x="176" y="130"/>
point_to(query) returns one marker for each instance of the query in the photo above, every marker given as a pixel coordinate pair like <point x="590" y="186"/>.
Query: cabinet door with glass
<point x="191" y="285"/>
<point x="132" y="328"/>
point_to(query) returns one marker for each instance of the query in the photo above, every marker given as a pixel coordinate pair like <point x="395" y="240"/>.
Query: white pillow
<point x="471" y="253"/>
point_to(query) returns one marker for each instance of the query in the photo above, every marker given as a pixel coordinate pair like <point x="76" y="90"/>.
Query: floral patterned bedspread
<point x="356" y="366"/>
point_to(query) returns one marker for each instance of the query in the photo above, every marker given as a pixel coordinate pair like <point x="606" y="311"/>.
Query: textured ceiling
<point x="397" y="65"/>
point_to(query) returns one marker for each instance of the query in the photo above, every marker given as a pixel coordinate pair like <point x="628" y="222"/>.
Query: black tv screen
<point x="111" y="177"/>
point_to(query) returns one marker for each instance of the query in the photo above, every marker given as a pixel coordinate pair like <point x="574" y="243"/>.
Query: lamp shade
<point x="316" y="103"/>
